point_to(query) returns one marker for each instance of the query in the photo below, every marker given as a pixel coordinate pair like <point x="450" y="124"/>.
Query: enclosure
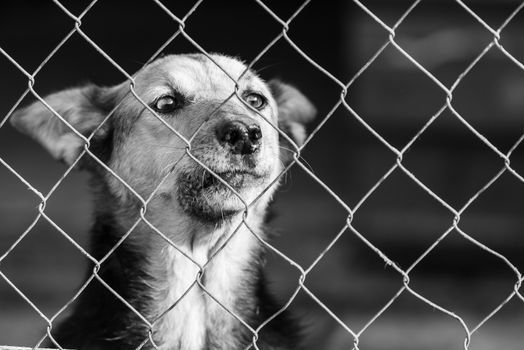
<point x="399" y="224"/>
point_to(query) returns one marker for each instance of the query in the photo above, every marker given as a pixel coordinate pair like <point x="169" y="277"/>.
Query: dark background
<point x="392" y="96"/>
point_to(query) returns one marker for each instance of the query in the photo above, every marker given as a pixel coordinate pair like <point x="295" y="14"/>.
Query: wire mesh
<point x="285" y="36"/>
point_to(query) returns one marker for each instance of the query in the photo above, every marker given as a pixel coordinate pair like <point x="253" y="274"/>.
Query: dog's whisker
<point x="287" y="174"/>
<point x="167" y="146"/>
<point x="271" y="65"/>
<point x="169" y="166"/>
<point x="299" y="157"/>
<point x="203" y="177"/>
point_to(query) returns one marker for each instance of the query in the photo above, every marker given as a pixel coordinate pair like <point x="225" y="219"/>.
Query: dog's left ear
<point x="84" y="108"/>
<point x="294" y="112"/>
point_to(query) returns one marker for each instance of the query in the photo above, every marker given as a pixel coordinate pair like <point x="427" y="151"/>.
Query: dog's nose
<point x="239" y="137"/>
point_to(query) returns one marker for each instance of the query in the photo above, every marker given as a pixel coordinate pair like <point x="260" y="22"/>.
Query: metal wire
<point x="348" y="228"/>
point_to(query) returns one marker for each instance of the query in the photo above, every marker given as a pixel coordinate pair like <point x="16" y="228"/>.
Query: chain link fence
<point x="285" y="36"/>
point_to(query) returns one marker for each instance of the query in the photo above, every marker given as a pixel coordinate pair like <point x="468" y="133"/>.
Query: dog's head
<point x="237" y="139"/>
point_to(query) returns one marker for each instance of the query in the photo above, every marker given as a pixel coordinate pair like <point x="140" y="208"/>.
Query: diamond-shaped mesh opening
<point x="333" y="278"/>
<point x="509" y="37"/>
<point x="22" y="208"/>
<point x="458" y="270"/>
<point x="248" y="15"/>
<point x="493" y="13"/>
<point x="495" y="112"/>
<point x="50" y="287"/>
<point x="314" y="159"/>
<point x="455" y="169"/>
<point x="397" y="200"/>
<point x="411" y="324"/>
<point x="387" y="13"/>
<point x="20" y="323"/>
<point x="73" y="61"/>
<point x="314" y="231"/>
<point x="400" y="113"/>
<point x="399" y="223"/>
<point x="425" y="36"/>
<point x="21" y="29"/>
<point x="112" y="36"/>
<point x="13" y="86"/>
<point x="302" y="34"/>
<point x="78" y="213"/>
<point x="494" y="219"/>
<point x="364" y="32"/>
<point x="502" y="330"/>
<point x="321" y="329"/>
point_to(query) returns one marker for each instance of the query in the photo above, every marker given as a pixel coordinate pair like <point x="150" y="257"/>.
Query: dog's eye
<point x="256" y="101"/>
<point x="167" y="104"/>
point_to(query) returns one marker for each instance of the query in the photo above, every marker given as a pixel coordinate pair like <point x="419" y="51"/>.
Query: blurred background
<point x="392" y="95"/>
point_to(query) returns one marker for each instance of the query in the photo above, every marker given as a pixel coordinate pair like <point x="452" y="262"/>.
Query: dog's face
<point x="193" y="121"/>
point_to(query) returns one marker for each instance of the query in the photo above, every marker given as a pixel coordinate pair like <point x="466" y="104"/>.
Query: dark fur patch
<point x="100" y="320"/>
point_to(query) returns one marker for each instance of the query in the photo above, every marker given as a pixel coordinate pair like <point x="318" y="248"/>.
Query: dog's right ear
<point x="294" y="112"/>
<point x="84" y="108"/>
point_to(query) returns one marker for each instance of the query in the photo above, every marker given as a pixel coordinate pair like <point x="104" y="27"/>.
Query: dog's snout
<point x="239" y="137"/>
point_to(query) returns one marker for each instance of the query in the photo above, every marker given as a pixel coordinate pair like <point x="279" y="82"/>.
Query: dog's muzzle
<point x="236" y="167"/>
<point x="239" y="137"/>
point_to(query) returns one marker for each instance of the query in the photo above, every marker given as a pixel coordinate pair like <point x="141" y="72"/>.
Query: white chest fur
<point x="197" y="319"/>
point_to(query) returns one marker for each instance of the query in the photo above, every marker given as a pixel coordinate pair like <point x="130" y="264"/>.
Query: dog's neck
<point x="204" y="301"/>
<point x="191" y="289"/>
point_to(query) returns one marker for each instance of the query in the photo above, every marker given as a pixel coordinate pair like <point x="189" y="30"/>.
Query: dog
<point x="182" y="172"/>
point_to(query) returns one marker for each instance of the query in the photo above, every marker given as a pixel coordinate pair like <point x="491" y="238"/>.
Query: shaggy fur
<point x="194" y="209"/>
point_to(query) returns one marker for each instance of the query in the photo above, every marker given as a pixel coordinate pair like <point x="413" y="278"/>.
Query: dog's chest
<point x="197" y="321"/>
